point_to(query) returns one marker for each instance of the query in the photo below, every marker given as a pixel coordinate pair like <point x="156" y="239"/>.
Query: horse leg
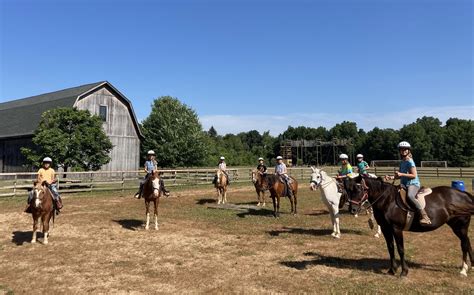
<point x="35" y="229"/>
<point x="218" y="195"/>
<point x="296" y="201"/>
<point x="274" y="206"/>
<point x="258" y="196"/>
<point x="398" y="234"/>
<point x="225" y="195"/>
<point x="263" y="198"/>
<point x="337" y="230"/>
<point x="460" y="226"/>
<point x="292" y="202"/>
<point x="147" y="205"/>
<point x="156" y="202"/>
<point x="278" y="200"/>
<point x="45" y="221"/>
<point x="388" y="235"/>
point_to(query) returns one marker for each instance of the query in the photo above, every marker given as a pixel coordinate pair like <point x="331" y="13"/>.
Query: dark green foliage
<point x="72" y="138"/>
<point x="174" y="132"/>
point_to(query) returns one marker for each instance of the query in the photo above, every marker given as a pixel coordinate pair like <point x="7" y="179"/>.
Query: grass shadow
<point x="205" y="201"/>
<point x="130" y="224"/>
<point x="311" y="231"/>
<point x="21" y="237"/>
<point x="375" y="265"/>
<point x="256" y="212"/>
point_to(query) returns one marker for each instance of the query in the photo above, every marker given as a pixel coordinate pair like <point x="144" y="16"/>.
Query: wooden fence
<point x="13" y="184"/>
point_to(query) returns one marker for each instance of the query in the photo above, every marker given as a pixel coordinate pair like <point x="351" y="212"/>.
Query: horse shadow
<point x="256" y="212"/>
<point x="375" y="265"/>
<point x="21" y="237"/>
<point x="130" y="224"/>
<point x="311" y="231"/>
<point x="205" y="201"/>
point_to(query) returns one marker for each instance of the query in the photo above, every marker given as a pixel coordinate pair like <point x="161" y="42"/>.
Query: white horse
<point x="329" y="195"/>
<point x="331" y="198"/>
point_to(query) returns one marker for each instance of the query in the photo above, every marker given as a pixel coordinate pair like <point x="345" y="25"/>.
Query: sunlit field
<point x="99" y="245"/>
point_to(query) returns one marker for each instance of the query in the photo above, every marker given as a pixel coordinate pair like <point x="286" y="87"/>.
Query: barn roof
<point x="21" y="117"/>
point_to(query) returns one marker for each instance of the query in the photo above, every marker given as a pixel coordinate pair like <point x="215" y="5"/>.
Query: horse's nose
<point x="353" y="210"/>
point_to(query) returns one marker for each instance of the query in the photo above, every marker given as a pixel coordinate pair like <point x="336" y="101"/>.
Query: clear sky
<point x="246" y="65"/>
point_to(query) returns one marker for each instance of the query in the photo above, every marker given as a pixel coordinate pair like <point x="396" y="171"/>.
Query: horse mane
<point x="271" y="178"/>
<point x="378" y="184"/>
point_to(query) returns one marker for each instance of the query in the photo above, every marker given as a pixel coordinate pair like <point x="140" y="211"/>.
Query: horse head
<point x="257" y="176"/>
<point x="357" y="192"/>
<point x="316" y="179"/>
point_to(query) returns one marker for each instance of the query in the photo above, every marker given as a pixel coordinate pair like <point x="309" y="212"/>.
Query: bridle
<point x="320" y="185"/>
<point x="365" y="197"/>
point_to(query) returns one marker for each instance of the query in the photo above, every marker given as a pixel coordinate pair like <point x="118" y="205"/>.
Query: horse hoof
<point x="45" y="242"/>
<point x="377" y="236"/>
<point x="337" y="236"/>
<point x="147" y="228"/>
<point x="156" y="228"/>
<point x="463" y="273"/>
<point x="391" y="272"/>
<point x="33" y="241"/>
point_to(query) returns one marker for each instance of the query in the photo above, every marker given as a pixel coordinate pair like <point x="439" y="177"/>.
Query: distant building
<point x="20" y="118"/>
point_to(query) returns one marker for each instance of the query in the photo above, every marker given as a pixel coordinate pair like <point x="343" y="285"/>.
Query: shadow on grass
<point x="130" y="224"/>
<point x="21" y="237"/>
<point x="256" y="212"/>
<point x="205" y="201"/>
<point x="375" y="265"/>
<point x="311" y="231"/>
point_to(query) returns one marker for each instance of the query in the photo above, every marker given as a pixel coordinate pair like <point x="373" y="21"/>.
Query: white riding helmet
<point x="222" y="158"/>
<point x="260" y="159"/>
<point x="150" y="152"/>
<point x="279" y="158"/>
<point x="404" y="144"/>
<point x="47" y="159"/>
<point x="343" y="157"/>
<point x="359" y="156"/>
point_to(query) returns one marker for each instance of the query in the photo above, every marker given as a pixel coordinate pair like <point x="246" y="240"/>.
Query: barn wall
<point x="11" y="159"/>
<point x="119" y="127"/>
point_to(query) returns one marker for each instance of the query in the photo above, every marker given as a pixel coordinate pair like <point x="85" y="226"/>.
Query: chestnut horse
<point x="278" y="190"/>
<point x="444" y="205"/>
<point x="152" y="193"/>
<point x="41" y="209"/>
<point x="261" y="186"/>
<point x="221" y="187"/>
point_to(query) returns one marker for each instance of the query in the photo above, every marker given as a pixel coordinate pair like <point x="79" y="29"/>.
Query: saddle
<point x="420" y="196"/>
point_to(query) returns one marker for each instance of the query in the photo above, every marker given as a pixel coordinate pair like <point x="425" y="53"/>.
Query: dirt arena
<point x="99" y="245"/>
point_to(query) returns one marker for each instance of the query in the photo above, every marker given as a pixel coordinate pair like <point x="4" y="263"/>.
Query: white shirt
<point x="280" y="169"/>
<point x="222" y="166"/>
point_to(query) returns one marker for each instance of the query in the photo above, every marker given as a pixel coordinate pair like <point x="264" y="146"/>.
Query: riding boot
<point x="27" y="209"/>
<point x="214" y="181"/>
<point x="424" y="219"/>
<point x="59" y="203"/>
<point x="138" y="195"/>
<point x="165" y="191"/>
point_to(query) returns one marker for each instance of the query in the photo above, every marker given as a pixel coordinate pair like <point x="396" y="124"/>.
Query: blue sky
<point x="246" y="65"/>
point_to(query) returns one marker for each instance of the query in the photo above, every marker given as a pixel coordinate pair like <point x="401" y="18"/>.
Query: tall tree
<point x="73" y="138"/>
<point x="381" y="144"/>
<point x="459" y="148"/>
<point x="174" y="132"/>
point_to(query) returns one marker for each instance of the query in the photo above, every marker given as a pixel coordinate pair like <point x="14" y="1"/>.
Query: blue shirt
<point x="405" y="167"/>
<point x="362" y="167"/>
<point x="150" y="166"/>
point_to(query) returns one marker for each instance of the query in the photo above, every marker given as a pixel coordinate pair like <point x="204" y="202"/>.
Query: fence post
<point x="92" y="181"/>
<point x="123" y="182"/>
<point x="14" y="184"/>
<point x="437" y="172"/>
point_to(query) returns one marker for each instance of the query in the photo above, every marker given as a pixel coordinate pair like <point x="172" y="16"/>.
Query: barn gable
<point x="20" y="118"/>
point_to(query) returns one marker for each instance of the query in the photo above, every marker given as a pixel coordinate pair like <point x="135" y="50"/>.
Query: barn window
<point x="103" y="113"/>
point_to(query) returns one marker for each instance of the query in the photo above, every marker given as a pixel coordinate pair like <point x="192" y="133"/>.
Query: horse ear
<point x="312" y="168"/>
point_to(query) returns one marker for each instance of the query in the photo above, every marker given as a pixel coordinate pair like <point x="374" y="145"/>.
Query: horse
<point x="331" y="198"/>
<point x="261" y="186"/>
<point x="443" y="205"/>
<point x="152" y="193"/>
<point x="221" y="187"/>
<point x="42" y="209"/>
<point x="278" y="190"/>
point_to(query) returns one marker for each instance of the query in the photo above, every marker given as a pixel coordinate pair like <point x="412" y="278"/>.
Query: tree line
<point x="174" y="132"/>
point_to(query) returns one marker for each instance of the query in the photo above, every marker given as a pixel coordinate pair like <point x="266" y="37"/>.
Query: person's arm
<point x="411" y="174"/>
<point x="145" y="168"/>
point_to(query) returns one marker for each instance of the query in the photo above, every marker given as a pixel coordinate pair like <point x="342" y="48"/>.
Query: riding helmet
<point x="404" y="144"/>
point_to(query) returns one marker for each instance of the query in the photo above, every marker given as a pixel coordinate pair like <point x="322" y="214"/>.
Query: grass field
<point x="99" y="245"/>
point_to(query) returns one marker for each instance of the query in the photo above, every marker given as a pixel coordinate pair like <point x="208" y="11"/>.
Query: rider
<point x="151" y="165"/>
<point x="409" y="179"/>
<point x="223" y="168"/>
<point x="46" y="174"/>
<point x="281" y="171"/>
<point x="345" y="169"/>
<point x="362" y="165"/>
<point x="261" y="166"/>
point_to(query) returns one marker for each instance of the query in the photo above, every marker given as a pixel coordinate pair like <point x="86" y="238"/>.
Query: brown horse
<point x="444" y="206"/>
<point x="221" y="187"/>
<point x="152" y="193"/>
<point x="277" y="190"/>
<point x="42" y="209"/>
<point x="261" y="186"/>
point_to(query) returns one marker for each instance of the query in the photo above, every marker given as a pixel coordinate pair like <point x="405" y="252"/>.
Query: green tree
<point x="174" y="132"/>
<point x="459" y="148"/>
<point x="381" y="144"/>
<point x="73" y="138"/>
<point x="421" y="144"/>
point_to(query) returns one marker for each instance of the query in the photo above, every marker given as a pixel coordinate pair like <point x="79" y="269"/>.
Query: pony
<point x="331" y="198"/>
<point x="444" y="205"/>
<point x="152" y="193"/>
<point x="261" y="186"/>
<point x="42" y="209"/>
<point x="221" y="187"/>
<point x="278" y="190"/>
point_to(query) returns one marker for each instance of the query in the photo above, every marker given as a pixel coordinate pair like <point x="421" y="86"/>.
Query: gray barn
<point x="19" y="119"/>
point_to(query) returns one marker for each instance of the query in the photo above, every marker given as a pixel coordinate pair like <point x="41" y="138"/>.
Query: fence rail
<point x="14" y="184"/>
